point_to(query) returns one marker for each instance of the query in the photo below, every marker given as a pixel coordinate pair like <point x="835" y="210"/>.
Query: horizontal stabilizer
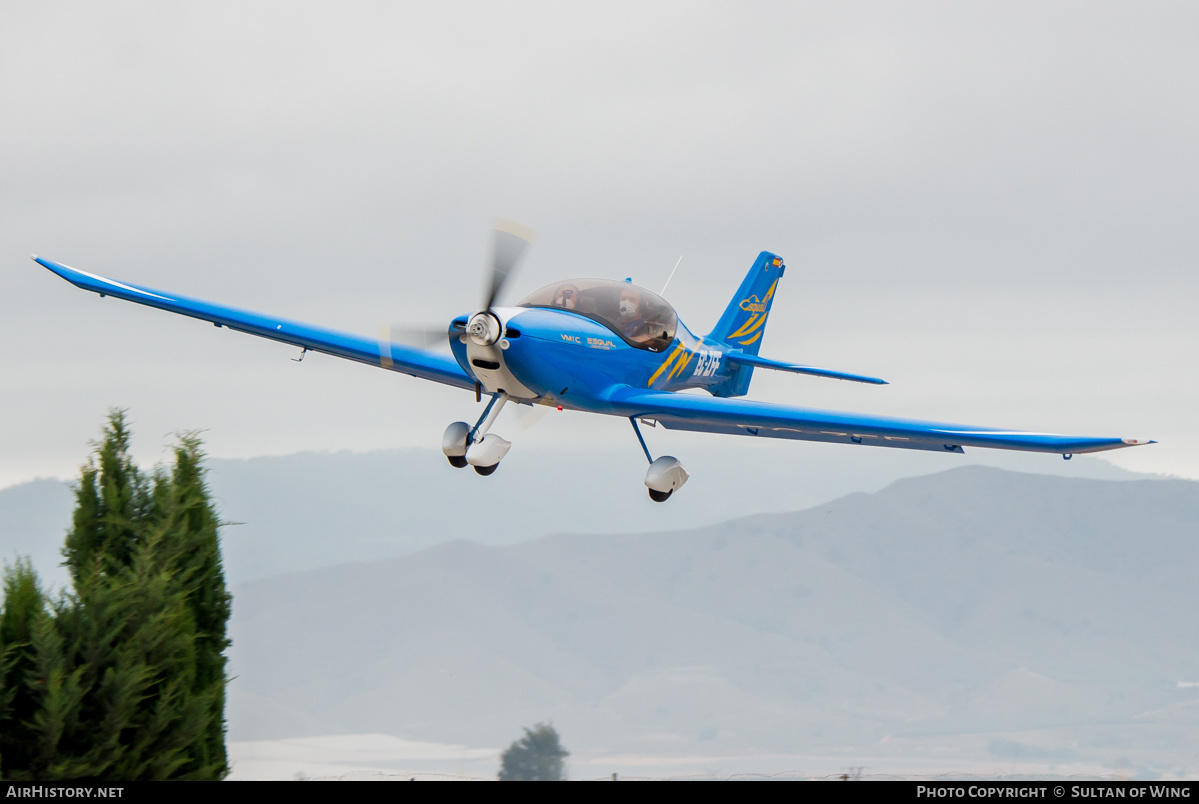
<point x="761" y="362"/>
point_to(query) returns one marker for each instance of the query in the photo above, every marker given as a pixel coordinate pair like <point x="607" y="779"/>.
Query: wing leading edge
<point x="375" y="352"/>
<point x="766" y="420"/>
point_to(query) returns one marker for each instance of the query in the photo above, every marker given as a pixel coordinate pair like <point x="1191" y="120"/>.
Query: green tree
<point x="194" y="523"/>
<point x="536" y="757"/>
<point x="123" y="677"/>
<point x="24" y="607"/>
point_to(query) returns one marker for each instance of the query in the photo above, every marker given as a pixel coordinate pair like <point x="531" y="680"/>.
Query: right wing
<point x="375" y="352"/>
<point x="765" y="420"/>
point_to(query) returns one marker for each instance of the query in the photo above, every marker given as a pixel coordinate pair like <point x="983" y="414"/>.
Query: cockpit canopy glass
<point x="643" y="319"/>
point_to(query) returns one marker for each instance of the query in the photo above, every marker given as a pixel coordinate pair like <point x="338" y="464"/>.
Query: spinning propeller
<point x="509" y="243"/>
<point x="508" y="246"/>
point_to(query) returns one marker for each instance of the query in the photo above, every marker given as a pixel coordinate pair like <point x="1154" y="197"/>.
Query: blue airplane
<point x="609" y="347"/>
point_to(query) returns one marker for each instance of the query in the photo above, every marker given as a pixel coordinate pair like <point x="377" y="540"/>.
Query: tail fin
<point x="744" y="320"/>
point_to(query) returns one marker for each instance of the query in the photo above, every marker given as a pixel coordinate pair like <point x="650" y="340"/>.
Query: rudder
<point x="744" y="320"/>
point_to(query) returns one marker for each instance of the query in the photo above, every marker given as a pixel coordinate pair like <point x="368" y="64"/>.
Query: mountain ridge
<point x="974" y="601"/>
<point x="316" y="509"/>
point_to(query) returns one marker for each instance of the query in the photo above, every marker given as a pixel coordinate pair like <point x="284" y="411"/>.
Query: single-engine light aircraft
<point x="609" y="347"/>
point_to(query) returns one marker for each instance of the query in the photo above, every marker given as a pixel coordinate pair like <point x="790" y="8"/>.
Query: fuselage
<point x="573" y="357"/>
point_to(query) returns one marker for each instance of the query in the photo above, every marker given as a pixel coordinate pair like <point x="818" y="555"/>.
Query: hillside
<point x="310" y="510"/>
<point x="1001" y="612"/>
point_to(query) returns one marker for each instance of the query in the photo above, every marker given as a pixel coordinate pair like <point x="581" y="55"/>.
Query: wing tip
<point x="53" y="266"/>
<point x="1137" y="442"/>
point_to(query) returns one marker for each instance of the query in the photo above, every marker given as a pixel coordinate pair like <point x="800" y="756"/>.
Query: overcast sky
<point x="991" y="205"/>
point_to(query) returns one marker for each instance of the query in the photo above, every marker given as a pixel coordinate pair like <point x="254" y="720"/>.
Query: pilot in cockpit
<point x="567" y="297"/>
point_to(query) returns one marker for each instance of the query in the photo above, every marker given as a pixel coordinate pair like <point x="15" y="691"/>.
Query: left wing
<point x="765" y="420"/>
<point x="375" y="352"/>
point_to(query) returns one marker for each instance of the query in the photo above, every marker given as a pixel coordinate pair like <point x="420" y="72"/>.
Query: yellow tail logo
<point x="751" y="330"/>
<point x="753" y="305"/>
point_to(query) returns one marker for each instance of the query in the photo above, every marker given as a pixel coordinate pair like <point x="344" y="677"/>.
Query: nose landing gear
<point x="486" y="453"/>
<point x="464" y="445"/>
<point x="454" y="444"/>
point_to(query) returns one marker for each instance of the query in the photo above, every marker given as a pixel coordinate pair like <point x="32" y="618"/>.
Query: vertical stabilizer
<point x="744" y="320"/>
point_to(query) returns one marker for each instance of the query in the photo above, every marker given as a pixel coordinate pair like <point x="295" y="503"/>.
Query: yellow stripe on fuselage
<point x="682" y="364"/>
<point x="667" y="362"/>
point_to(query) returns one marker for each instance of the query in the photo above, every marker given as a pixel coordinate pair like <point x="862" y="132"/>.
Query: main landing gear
<point x="465" y="445"/>
<point x="665" y="475"/>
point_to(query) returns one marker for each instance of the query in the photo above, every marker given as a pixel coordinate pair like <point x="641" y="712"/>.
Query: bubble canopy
<point x="642" y="319"/>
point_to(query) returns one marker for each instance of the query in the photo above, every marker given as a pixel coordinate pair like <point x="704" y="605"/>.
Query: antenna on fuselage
<point x="676" y="267"/>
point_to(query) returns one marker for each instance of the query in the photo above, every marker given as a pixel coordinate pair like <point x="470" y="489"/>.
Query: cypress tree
<point x="24" y="608"/>
<point x="193" y="522"/>
<point x="116" y="664"/>
<point x="112" y="506"/>
<point x="122" y="678"/>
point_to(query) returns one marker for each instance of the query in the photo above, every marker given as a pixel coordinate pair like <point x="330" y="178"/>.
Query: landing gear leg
<point x="486" y="450"/>
<point x="665" y="474"/>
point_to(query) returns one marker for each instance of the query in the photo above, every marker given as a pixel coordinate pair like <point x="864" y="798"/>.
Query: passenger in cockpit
<point x="632" y="323"/>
